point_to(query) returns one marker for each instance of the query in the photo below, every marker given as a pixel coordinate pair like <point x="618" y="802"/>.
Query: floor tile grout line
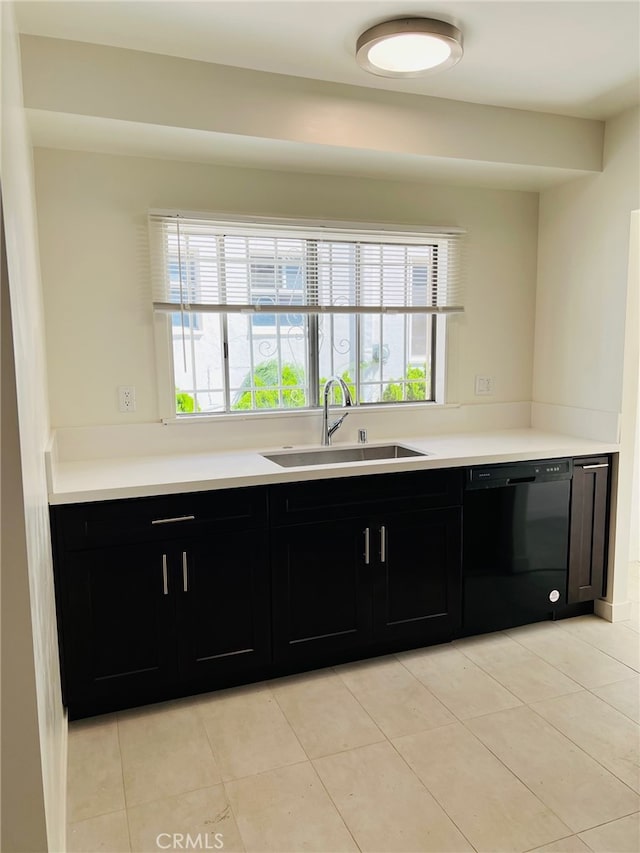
<point x="522" y="782"/>
<point x="92" y="720"/>
<point x="457" y="719"/>
<point x="610" y="704"/>
<point x="124" y="788"/>
<point x="371" y="717"/>
<point x="613" y="820"/>
<point x="528" y="787"/>
<point x="525" y="701"/>
<point x="578" y="640"/>
<point x="420" y="683"/>
<point x="586" y="752"/>
<point x="289" y="723"/>
<point x="502" y="686"/>
<point x="234" y="815"/>
<point x="413" y="772"/>
<point x="171" y="796"/>
<point x="262" y="688"/>
<point x="564" y="838"/>
<point x="94" y="816"/>
<point x="208" y="740"/>
<point x="334" y="804"/>
<point x="599" y="648"/>
<point x="384" y="737"/>
<point x="282" y="767"/>
<point x="430" y="792"/>
<point x="601" y="825"/>
<point x="129" y="805"/>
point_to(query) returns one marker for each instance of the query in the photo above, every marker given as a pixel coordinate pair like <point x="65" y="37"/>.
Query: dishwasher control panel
<point x="513" y="473"/>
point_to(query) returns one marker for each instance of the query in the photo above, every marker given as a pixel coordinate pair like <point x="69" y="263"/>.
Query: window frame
<point x="164" y="334"/>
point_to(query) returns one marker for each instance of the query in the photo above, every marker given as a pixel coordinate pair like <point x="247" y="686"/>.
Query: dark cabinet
<point x="183" y="604"/>
<point x="222" y="605"/>
<point x="417" y="577"/>
<point x="321" y="597"/>
<point x="114" y="620"/>
<point x="588" y="529"/>
<point x="378" y="581"/>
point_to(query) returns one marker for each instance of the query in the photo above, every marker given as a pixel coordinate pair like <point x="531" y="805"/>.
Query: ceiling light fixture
<point x="409" y="47"/>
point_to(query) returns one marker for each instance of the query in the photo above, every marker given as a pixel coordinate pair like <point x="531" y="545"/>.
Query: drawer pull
<point x="367" y="553"/>
<point x="383" y="544"/>
<point x="185" y="572"/>
<point x="165" y="579"/>
<point x="589" y="467"/>
<point x="172" y="520"/>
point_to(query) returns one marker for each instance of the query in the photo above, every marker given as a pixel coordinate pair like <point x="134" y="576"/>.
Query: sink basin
<point x="329" y="455"/>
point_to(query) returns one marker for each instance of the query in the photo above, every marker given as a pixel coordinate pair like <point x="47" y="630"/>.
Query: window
<point x="276" y="284"/>
<point x="262" y="315"/>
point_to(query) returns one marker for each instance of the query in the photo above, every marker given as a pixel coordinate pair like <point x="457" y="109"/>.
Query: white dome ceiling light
<point x="409" y="47"/>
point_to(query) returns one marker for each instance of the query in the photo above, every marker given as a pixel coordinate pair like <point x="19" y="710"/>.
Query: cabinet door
<point x="224" y="619"/>
<point x="117" y="624"/>
<point x="417" y="579"/>
<point x="321" y="595"/>
<point x="588" y="529"/>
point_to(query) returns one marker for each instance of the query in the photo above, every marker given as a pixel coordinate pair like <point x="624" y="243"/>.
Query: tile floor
<point x="522" y="740"/>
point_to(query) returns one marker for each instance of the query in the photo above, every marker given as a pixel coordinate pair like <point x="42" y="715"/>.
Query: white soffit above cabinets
<point x="275" y="85"/>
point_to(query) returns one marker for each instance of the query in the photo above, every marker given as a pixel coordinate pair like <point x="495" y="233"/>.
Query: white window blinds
<point x="202" y="265"/>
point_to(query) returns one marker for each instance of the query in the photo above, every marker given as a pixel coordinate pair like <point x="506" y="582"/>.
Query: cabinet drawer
<point x="91" y="525"/>
<point x="323" y="500"/>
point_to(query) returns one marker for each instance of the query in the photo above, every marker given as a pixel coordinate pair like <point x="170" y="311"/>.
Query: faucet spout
<point x="329" y="429"/>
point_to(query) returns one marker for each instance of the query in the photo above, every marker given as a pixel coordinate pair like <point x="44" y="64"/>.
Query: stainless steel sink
<point x="330" y="455"/>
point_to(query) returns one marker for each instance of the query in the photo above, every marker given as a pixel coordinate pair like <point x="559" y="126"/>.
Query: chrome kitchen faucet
<point x="328" y="430"/>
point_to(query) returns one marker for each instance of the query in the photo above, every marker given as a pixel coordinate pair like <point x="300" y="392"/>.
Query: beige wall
<point x="34" y="725"/>
<point x="92" y="220"/>
<point x="583" y="261"/>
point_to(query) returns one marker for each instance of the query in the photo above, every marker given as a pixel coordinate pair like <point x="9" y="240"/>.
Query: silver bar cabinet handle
<point x="165" y="579"/>
<point x="383" y="544"/>
<point x="172" y="520"/>
<point x="588" y="467"/>
<point x="367" y="553"/>
<point x="185" y="572"/>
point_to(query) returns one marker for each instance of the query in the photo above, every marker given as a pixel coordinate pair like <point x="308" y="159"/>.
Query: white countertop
<point x="142" y="476"/>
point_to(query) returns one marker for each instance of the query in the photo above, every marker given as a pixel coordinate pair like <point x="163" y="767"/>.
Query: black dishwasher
<point x="515" y="543"/>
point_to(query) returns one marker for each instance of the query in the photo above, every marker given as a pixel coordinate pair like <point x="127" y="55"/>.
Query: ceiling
<point x="573" y="58"/>
<point x="576" y="58"/>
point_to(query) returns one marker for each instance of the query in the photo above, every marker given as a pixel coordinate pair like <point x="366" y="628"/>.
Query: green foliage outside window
<point x="291" y="379"/>
<point x="265" y="377"/>
<point x="185" y="403"/>
<point x="414" y="389"/>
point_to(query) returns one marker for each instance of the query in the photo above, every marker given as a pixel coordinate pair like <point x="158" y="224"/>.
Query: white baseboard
<point x="613" y="611"/>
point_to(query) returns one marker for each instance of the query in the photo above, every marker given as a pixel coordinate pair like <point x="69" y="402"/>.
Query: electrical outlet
<point x="127" y="398"/>
<point x="484" y="385"/>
